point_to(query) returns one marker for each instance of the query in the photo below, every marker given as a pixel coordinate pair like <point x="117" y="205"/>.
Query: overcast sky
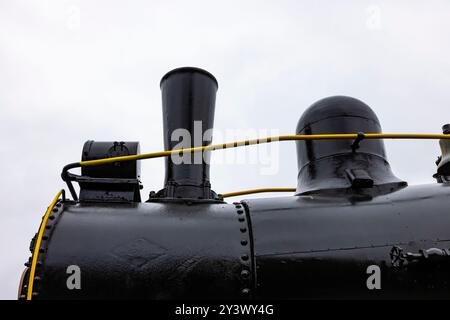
<point x="77" y="70"/>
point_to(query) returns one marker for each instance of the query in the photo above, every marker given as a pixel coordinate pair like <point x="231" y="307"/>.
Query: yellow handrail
<point x="259" y="190"/>
<point x="261" y="141"/>
<point x="37" y="245"/>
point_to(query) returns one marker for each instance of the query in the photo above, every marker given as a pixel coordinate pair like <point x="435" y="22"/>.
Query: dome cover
<point x="332" y="164"/>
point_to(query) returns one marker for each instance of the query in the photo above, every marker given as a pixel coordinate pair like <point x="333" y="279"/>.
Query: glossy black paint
<point x="188" y="100"/>
<point x="320" y="246"/>
<point x="149" y="251"/>
<point x="326" y="164"/>
<point x="350" y="214"/>
<point x="113" y="182"/>
<point x="309" y="246"/>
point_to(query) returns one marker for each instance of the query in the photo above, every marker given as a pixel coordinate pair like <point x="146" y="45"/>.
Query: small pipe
<point x="259" y="190"/>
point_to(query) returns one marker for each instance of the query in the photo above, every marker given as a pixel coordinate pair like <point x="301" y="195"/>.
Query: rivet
<point x="48" y="226"/>
<point x="245" y="273"/>
<point x="240" y="211"/>
<point x="243" y="229"/>
<point x="51" y="217"/>
<point x="246" y="291"/>
<point x="35" y="294"/>
<point x="244" y="257"/>
<point x="44" y="238"/>
<point x="55" y="210"/>
<point x="58" y="205"/>
<point x="241" y="219"/>
<point x="244" y="242"/>
<point x="41" y="250"/>
<point x="37" y="278"/>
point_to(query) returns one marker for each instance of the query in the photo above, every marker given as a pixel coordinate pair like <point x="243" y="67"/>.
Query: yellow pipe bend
<point x="37" y="245"/>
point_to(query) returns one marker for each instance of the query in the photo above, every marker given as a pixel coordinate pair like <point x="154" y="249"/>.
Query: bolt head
<point x="446" y="128"/>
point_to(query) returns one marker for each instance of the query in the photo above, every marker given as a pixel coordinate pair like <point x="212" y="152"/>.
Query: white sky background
<point x="77" y="70"/>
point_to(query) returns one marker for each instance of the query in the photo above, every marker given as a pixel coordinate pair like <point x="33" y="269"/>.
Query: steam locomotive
<point x="351" y="230"/>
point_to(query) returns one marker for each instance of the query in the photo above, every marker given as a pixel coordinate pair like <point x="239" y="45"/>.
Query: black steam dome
<point x="327" y="165"/>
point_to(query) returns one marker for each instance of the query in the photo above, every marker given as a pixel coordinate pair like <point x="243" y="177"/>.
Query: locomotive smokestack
<point x="188" y="102"/>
